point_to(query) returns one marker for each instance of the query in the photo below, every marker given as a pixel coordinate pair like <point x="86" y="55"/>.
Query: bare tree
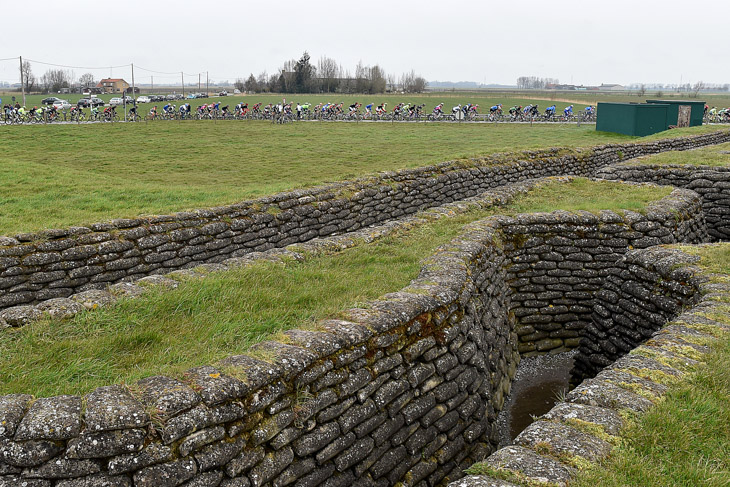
<point x="419" y="84"/>
<point x="240" y="85"/>
<point x="28" y="77"/>
<point x="377" y="79"/>
<point x="328" y="71"/>
<point x="87" y="80"/>
<point x="251" y="85"/>
<point x="55" y="79"/>
<point x="642" y="90"/>
<point x="262" y="81"/>
<point x="412" y="83"/>
<point x="699" y="86"/>
<point x="390" y="83"/>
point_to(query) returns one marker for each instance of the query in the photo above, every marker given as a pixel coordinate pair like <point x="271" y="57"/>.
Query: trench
<point x="540" y="382"/>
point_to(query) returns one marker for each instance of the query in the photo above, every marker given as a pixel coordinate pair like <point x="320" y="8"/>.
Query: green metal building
<point x="696" y="111"/>
<point x="632" y="118"/>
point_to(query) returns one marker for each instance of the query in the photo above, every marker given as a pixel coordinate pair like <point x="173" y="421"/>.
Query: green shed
<point x="683" y="113"/>
<point x="632" y="118"/>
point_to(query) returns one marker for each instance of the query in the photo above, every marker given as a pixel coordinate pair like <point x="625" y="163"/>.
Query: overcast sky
<point x="576" y="41"/>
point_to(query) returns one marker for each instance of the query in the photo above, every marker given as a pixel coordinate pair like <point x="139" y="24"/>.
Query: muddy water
<point x="539" y="382"/>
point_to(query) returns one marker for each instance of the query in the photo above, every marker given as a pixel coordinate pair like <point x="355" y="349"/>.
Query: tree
<point x="262" y="82"/>
<point x="303" y="74"/>
<point x="87" y="80"/>
<point x="699" y="86"/>
<point x="251" y="84"/>
<point x="377" y="80"/>
<point x="240" y="85"/>
<point x="328" y="71"/>
<point x="28" y="77"/>
<point x="412" y="83"/>
<point x="642" y="90"/>
<point x="55" y="79"/>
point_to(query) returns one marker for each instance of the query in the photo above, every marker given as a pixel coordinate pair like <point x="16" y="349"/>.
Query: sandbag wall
<point x="405" y="389"/>
<point x="402" y="390"/>
<point x="642" y="292"/>
<point x="655" y="292"/>
<point x="59" y="263"/>
<point x="559" y="260"/>
<point x="712" y="183"/>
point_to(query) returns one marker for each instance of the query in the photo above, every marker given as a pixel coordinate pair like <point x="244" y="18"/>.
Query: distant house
<point x="611" y="87"/>
<point x="113" y="85"/>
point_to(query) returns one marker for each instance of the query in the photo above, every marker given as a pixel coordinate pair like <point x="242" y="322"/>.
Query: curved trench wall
<point x="674" y="299"/>
<point x="403" y="390"/>
<point x="712" y="183"/>
<point x="638" y="297"/>
<point x="59" y="263"/>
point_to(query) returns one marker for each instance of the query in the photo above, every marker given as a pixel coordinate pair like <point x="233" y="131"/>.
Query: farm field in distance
<point x="61" y="175"/>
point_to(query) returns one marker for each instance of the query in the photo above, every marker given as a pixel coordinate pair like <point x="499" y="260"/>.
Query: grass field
<point x="62" y="175"/>
<point x="685" y="439"/>
<point x="716" y="155"/>
<point x="205" y="320"/>
<point x="591" y="98"/>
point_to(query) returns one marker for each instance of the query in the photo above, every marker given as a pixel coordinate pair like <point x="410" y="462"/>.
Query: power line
<point x="158" y="72"/>
<point x="78" y="67"/>
<point x="9" y="58"/>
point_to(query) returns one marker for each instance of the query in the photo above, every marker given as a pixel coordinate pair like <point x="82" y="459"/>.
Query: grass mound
<point x="716" y="156"/>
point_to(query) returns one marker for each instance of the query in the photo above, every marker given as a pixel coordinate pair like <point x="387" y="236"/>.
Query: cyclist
<point x="568" y="111"/>
<point x="133" y="112"/>
<point x="305" y="108"/>
<point x="550" y="112"/>
<point x="496" y="109"/>
<point x="515" y="110"/>
<point x="456" y="109"/>
<point x="354" y="108"/>
<point x="382" y="108"/>
<point x="438" y="110"/>
<point x="153" y="111"/>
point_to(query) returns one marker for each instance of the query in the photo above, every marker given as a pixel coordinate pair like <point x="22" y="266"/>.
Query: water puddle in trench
<point x="538" y="384"/>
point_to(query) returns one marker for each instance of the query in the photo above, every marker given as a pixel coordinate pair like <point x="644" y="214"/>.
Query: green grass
<point x="588" y="195"/>
<point x="587" y="97"/>
<point x="716" y="155"/>
<point x="685" y="439"/>
<point x="205" y="320"/>
<point x="63" y="175"/>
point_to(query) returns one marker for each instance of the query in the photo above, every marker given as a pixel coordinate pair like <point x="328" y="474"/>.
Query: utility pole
<point x="182" y="78"/>
<point x="22" y="83"/>
<point x="134" y="91"/>
<point x="152" y="82"/>
<point x="207" y="80"/>
<point x="198" y="82"/>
